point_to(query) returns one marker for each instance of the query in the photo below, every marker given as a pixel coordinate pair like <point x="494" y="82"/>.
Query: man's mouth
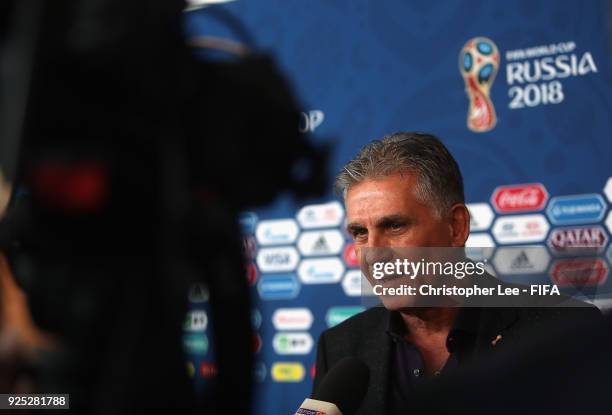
<point x="390" y="278"/>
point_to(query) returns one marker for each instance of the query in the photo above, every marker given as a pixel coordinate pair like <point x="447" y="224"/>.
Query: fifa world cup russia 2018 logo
<point x="478" y="63"/>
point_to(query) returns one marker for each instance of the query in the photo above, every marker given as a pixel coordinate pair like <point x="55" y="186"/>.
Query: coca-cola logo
<point x="520" y="198"/>
<point x="350" y="256"/>
<point x="251" y="273"/>
<point x="256" y="343"/>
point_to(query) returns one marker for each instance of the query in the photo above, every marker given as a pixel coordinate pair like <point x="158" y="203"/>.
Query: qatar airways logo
<point x="534" y="74"/>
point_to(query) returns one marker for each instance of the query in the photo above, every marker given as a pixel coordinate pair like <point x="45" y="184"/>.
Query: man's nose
<point x="377" y="240"/>
<point x="377" y="249"/>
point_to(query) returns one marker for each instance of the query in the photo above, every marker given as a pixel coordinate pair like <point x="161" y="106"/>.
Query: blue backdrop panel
<point x="365" y="68"/>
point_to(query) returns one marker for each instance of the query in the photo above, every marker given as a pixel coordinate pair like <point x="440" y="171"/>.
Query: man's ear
<point x="459" y="224"/>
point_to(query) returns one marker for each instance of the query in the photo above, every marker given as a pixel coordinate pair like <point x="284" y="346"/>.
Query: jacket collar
<point x="485" y="323"/>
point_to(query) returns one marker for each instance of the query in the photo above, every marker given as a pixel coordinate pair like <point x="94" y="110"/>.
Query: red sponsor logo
<point x="582" y="240"/>
<point x="256" y="343"/>
<point x="579" y="272"/>
<point x="208" y="370"/>
<point x="350" y="256"/>
<point x="251" y="271"/>
<point x="520" y="198"/>
<point x="313" y="371"/>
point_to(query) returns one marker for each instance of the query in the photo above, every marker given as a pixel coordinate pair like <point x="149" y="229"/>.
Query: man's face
<point x="385" y="213"/>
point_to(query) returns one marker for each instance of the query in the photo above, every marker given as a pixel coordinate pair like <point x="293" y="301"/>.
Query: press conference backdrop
<point x="520" y="92"/>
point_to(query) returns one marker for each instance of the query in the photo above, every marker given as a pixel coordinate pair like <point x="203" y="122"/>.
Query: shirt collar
<point x="395" y="326"/>
<point x="465" y="327"/>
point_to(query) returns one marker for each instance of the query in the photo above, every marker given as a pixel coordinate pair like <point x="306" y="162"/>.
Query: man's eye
<point x="396" y="226"/>
<point x="359" y="233"/>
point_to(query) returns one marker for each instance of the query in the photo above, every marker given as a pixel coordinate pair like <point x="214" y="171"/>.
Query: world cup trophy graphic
<point x="478" y="63"/>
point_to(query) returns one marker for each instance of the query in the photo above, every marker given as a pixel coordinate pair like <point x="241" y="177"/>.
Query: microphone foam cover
<point x="345" y="385"/>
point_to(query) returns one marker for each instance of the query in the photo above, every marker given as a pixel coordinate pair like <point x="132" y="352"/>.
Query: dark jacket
<point x="364" y="336"/>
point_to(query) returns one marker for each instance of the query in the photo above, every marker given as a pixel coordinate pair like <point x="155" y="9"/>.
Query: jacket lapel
<point x="495" y="321"/>
<point x="376" y="352"/>
<point x="377" y="348"/>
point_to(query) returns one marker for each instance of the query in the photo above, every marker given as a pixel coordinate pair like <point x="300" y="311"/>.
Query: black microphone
<point x="341" y="391"/>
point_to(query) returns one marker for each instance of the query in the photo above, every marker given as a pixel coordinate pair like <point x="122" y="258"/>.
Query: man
<point x="406" y="190"/>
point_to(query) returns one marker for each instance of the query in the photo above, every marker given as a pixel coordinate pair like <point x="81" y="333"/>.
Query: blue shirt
<point x="407" y="368"/>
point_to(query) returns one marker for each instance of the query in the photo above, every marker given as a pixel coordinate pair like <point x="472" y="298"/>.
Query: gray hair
<point x="439" y="180"/>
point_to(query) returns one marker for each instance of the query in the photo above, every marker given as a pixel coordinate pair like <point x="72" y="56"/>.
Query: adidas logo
<point x="521" y="262"/>
<point x="198" y="293"/>
<point x="321" y="245"/>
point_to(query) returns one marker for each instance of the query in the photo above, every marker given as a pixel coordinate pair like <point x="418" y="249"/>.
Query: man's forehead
<point x="377" y="212"/>
<point x="393" y="184"/>
<point x="373" y="200"/>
